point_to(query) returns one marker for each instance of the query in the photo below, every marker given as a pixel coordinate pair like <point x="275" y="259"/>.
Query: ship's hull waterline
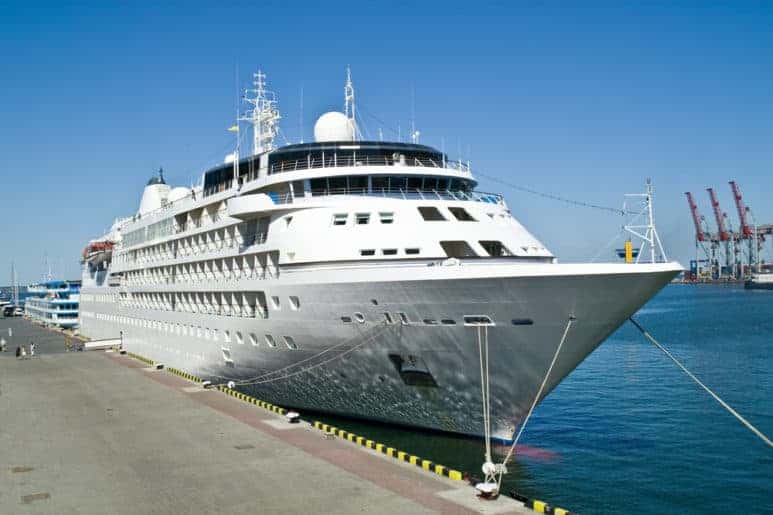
<point x="425" y="373"/>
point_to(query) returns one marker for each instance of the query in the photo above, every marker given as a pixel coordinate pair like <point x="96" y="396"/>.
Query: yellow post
<point x="628" y="251"/>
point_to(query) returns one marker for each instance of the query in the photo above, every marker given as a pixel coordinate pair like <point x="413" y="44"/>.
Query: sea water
<point x="628" y="431"/>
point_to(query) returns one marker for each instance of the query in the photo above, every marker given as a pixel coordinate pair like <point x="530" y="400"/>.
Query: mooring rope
<point x="536" y="399"/>
<point x="485" y="390"/>
<point x="725" y="405"/>
<point x="316" y="365"/>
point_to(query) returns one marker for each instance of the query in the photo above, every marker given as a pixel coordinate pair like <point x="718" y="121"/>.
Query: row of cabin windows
<point x="386" y="184"/>
<point x="455" y="249"/>
<point x="363" y="218"/>
<point x="405" y="320"/>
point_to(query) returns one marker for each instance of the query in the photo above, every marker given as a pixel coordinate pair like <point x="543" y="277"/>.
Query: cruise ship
<point x="354" y="277"/>
<point x="54" y="303"/>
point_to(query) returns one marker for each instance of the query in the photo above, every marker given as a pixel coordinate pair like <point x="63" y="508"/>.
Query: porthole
<point x="374" y="302"/>
<point x="359" y="317"/>
<point x="478" y="320"/>
<point x="346" y="320"/>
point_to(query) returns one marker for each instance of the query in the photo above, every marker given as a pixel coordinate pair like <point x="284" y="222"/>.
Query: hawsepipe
<point x="441" y="470"/>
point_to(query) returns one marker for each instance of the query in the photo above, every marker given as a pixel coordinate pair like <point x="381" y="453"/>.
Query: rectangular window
<point x="367" y="252"/>
<point x="389" y="252"/>
<point x="495" y="248"/>
<point x="461" y="214"/>
<point x="431" y="214"/>
<point x="362" y="218"/>
<point x="270" y="341"/>
<point x="457" y="249"/>
<point x="387" y="218"/>
<point x="411" y="251"/>
<point x="290" y="342"/>
<point x="340" y="219"/>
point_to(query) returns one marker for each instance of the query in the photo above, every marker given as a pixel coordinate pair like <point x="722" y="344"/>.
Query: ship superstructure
<point x="352" y="277"/>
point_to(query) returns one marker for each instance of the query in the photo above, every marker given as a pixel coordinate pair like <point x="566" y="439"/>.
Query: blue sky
<point x="583" y="101"/>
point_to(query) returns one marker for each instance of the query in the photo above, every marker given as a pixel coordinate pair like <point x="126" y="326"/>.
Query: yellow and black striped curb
<point x="440" y="470"/>
<point x="252" y="400"/>
<point x="141" y="358"/>
<point x="539" y="506"/>
<point x="184" y="374"/>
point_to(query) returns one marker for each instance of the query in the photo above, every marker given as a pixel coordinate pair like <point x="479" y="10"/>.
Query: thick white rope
<point x="733" y="412"/>
<point x="536" y="399"/>
<point x="484" y="395"/>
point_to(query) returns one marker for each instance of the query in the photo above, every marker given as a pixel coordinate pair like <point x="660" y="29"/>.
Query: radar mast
<point x="349" y="105"/>
<point x="264" y="115"/>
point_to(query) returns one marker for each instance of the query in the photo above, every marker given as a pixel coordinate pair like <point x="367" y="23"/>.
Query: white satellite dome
<point x="334" y="126"/>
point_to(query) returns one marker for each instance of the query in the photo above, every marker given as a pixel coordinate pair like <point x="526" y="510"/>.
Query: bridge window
<point x="457" y="249"/>
<point x="387" y="218"/>
<point x="367" y="252"/>
<point x="362" y="218"/>
<point x="431" y="214"/>
<point x="340" y="218"/>
<point x="461" y="214"/>
<point x="389" y="252"/>
<point x="495" y="248"/>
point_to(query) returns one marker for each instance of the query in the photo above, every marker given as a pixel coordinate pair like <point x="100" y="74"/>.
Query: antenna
<point x="350" y="105"/>
<point x="264" y="115"/>
<point x="414" y="132"/>
<point x="650" y="234"/>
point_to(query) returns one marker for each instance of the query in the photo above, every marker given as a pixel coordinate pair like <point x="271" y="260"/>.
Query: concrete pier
<point x="97" y="432"/>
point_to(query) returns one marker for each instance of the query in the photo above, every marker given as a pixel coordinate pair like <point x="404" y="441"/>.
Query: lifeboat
<point x="97" y="252"/>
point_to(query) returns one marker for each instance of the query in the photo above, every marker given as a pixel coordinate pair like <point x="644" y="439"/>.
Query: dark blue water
<point x="628" y="431"/>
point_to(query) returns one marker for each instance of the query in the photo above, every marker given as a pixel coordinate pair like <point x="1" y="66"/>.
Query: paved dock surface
<point x="97" y="432"/>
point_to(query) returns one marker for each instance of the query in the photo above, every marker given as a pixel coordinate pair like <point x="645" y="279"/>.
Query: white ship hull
<point x="359" y="374"/>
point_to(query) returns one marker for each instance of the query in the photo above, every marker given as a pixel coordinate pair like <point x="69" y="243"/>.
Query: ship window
<point x="367" y="252"/>
<point x="239" y="338"/>
<point x="214" y="334"/>
<point x="461" y="214"/>
<point x="389" y="252"/>
<point x="448" y="321"/>
<point x="457" y="249"/>
<point x="478" y="320"/>
<point x="359" y="317"/>
<point x="346" y="320"/>
<point x="411" y="251"/>
<point x="270" y="341"/>
<point x="404" y="319"/>
<point x="388" y="318"/>
<point x="495" y="248"/>
<point x="295" y="302"/>
<point x="430" y="321"/>
<point x="253" y="339"/>
<point x="290" y="342"/>
<point x="387" y="218"/>
<point x="362" y="218"/>
<point x="198" y="332"/>
<point x="227" y="336"/>
<point x="206" y="333"/>
<point x="431" y="214"/>
<point x="275" y="302"/>
<point x="340" y="219"/>
<point x="522" y="321"/>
